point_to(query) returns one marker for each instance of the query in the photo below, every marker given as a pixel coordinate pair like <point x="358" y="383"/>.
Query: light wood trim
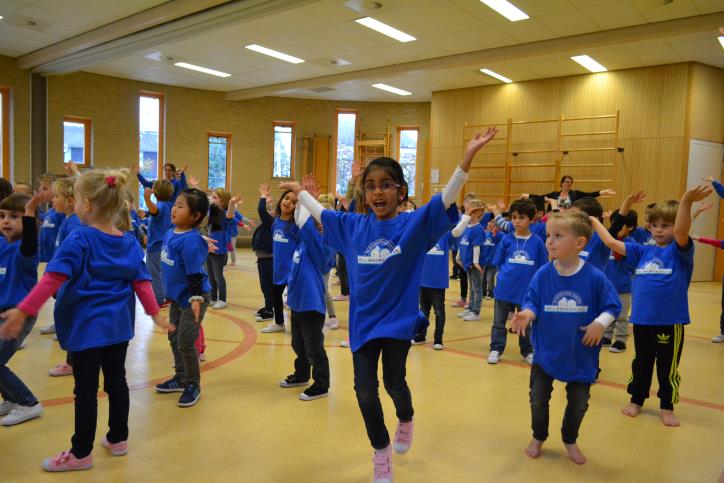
<point x="87" y="138"/>
<point x="592" y="133"/>
<point x="293" y="125"/>
<point x="160" y="158"/>
<point x="226" y="135"/>
<point x="588" y="165"/>
<point x="5" y="99"/>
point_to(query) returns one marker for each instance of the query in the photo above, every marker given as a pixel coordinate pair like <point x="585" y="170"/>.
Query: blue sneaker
<point x="172" y="385"/>
<point x="191" y="395"/>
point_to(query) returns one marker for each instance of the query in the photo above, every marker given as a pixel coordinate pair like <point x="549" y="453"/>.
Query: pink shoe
<point x="383" y="465"/>
<point x="340" y="298"/>
<point x="117" y="449"/>
<point x="61" y="369"/>
<point x="65" y="461"/>
<point x="459" y="303"/>
<point x="403" y="437"/>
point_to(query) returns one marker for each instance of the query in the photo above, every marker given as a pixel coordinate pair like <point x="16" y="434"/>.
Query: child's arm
<point x="30" y="305"/>
<point x="230" y="210"/>
<point x="718" y="187"/>
<point x="29" y="241"/>
<point x="521" y="320"/>
<point x="144" y="182"/>
<point x="708" y="241"/>
<point x="460" y="227"/>
<point x="152" y="208"/>
<point x="616" y="245"/>
<point x="453" y="187"/>
<point x="635" y="197"/>
<point x="476" y="258"/>
<point x="144" y="291"/>
<point x="703" y="206"/>
<point x="682" y="225"/>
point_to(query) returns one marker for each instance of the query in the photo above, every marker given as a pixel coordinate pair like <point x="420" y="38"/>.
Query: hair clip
<point x="111" y="181"/>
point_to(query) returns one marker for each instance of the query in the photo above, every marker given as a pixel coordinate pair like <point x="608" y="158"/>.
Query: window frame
<point x="87" y="138"/>
<point x="293" y="125"/>
<point x="160" y="157"/>
<point x="398" y="145"/>
<point x="219" y="134"/>
<point x="337" y="112"/>
<point x="5" y="134"/>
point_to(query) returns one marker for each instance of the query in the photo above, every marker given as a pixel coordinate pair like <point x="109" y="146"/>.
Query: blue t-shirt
<point x="96" y="306"/>
<point x="183" y="254"/>
<point x="67" y="226"/>
<point x="643" y="236"/>
<point x="310" y="261"/>
<point x="158" y="225"/>
<point x="383" y="266"/>
<point x="435" y="268"/>
<point x="49" y="234"/>
<point x="539" y="229"/>
<point x="660" y="288"/>
<point x="562" y="306"/>
<point x="488" y="249"/>
<point x="18" y="274"/>
<point x="472" y="236"/>
<point x="285" y="240"/>
<point x="596" y="252"/>
<point x="517" y="260"/>
<point x="454" y="244"/>
<point x="620" y="273"/>
<point x="221" y="236"/>
<point x="234" y="224"/>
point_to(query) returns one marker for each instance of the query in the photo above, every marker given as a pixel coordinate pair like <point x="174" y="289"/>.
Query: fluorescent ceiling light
<point x="202" y="69"/>
<point x="274" y="53"/>
<point x="506" y="9"/>
<point x="496" y="75"/>
<point x="721" y="40"/>
<point x="589" y="63"/>
<point x="1" y="17"/>
<point x="385" y="29"/>
<point x="394" y="90"/>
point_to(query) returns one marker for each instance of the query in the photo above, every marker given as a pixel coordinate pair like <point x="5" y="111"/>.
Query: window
<point x="77" y="140"/>
<point x="219" y="157"/>
<point x="283" y="150"/>
<point x="407" y="154"/>
<point x="346" y="127"/>
<point x="150" y="137"/>
<point x="5" y="132"/>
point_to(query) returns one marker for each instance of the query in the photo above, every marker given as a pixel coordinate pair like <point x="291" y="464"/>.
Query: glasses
<point x="385" y="186"/>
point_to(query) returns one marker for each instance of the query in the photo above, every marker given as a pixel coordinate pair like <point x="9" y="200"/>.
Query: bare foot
<point x="574" y="453"/>
<point x="668" y="418"/>
<point x="534" y="448"/>
<point x="631" y="410"/>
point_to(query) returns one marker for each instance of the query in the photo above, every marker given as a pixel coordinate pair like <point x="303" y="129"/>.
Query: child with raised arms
<point x="186" y="284"/>
<point x="262" y="245"/>
<point x="51" y="221"/>
<point x="383" y="250"/>
<point x="221" y="216"/>
<point x="159" y="222"/>
<point x="492" y="238"/>
<point x="469" y="253"/>
<point x="570" y="303"/>
<point x="97" y="272"/>
<point x="660" y="300"/>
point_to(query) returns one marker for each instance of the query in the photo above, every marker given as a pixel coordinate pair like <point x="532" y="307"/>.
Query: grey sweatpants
<point x="619" y="328"/>
<point x="328" y="296"/>
<point x="185" y="355"/>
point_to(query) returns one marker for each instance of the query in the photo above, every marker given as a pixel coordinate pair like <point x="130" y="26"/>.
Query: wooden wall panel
<point x="19" y="83"/>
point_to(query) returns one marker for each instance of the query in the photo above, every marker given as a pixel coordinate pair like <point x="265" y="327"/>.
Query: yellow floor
<point x="471" y="424"/>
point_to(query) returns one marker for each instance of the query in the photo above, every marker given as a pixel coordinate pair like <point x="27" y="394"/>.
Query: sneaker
<point x="617" y="346"/>
<point x="117" y="449"/>
<point x="383" y="465"/>
<point x="493" y="357"/>
<point x="313" y="392"/>
<point x="471" y="316"/>
<point x="172" y="385"/>
<point x="418" y="341"/>
<point x="202" y="357"/>
<point x="718" y="339"/>
<point x="605" y="342"/>
<point x="48" y="330"/>
<point x="191" y="395"/>
<point x="264" y="315"/>
<point x="55" y="337"/>
<point x="529" y="359"/>
<point x="164" y="304"/>
<point x="340" y="298"/>
<point x="344" y="343"/>
<point x="220" y="305"/>
<point x="22" y="344"/>
<point x="459" y="303"/>
<point x="453" y="277"/>
<point x="61" y="369"/>
<point x="272" y="328"/>
<point x="65" y="461"/>
<point x="260" y="311"/>
<point x="403" y="437"/>
<point x="6" y="407"/>
<point x="20" y="414"/>
<point x="437" y="347"/>
<point x="292" y="381"/>
<point x="333" y="323"/>
<point x="461" y="315"/>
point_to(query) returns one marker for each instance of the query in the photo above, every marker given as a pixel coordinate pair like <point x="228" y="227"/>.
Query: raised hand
<point x="703" y="206"/>
<point x="710" y="179"/>
<point x="234" y="200"/>
<point x="135" y="169"/>
<point x="70" y="168"/>
<point x="193" y="182"/>
<point x="32" y="205"/>
<point x="697" y="193"/>
<point x="607" y="214"/>
<point x="356" y="169"/>
<point x="593" y="334"/>
<point x="265" y="190"/>
<point x="480" y="140"/>
<point x="246" y="227"/>
<point x="607" y="192"/>
<point x="291" y="186"/>
<point x="147" y="192"/>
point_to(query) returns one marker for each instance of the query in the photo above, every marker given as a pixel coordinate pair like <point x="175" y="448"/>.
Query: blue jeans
<point x="153" y="262"/>
<point x="475" y="282"/>
<point x="11" y="387"/>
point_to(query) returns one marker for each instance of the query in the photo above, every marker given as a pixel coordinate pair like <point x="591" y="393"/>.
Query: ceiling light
<point x="202" y="69"/>
<point x="1" y="17"/>
<point x="394" y="90"/>
<point x="589" y="63"/>
<point x="506" y="9"/>
<point x="274" y="53"/>
<point x="721" y="40"/>
<point x="385" y="29"/>
<point x="496" y="75"/>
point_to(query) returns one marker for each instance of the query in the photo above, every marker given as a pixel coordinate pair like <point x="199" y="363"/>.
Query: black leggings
<point x="278" y="300"/>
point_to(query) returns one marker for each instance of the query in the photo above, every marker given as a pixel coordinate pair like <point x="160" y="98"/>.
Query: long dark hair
<point x="278" y="210"/>
<point x="198" y="203"/>
<point x="6" y="188"/>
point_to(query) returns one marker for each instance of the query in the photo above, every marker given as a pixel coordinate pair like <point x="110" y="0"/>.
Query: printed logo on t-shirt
<point x="650" y="241"/>
<point x="583" y="254"/>
<point x="436" y="250"/>
<point x="47" y="224"/>
<point x="489" y="242"/>
<point x="296" y="257"/>
<point x="165" y="259"/>
<point x="378" y="251"/>
<point x="566" y="302"/>
<point x="653" y="267"/>
<point x="3" y="270"/>
<point x="464" y="241"/>
<point x="279" y="237"/>
<point x="612" y="256"/>
<point x="521" y="257"/>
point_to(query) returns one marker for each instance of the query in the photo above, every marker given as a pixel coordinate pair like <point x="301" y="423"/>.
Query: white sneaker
<point x="48" y="330"/>
<point x="202" y="357"/>
<point x="22" y="344"/>
<point x="6" y="407"/>
<point x="20" y="414"/>
<point x="344" y="343"/>
<point x="718" y="339"/>
<point x="219" y="305"/>
<point x="437" y="347"/>
<point x="333" y="323"/>
<point x="462" y="314"/>
<point x="471" y="316"/>
<point x="493" y="357"/>
<point x="529" y="359"/>
<point x="272" y="328"/>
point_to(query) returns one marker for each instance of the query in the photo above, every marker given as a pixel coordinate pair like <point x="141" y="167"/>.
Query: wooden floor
<point x="472" y="420"/>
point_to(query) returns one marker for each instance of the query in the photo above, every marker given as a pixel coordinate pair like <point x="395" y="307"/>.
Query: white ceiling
<point x="325" y="30"/>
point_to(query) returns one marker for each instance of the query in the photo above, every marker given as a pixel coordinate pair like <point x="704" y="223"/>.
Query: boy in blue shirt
<point x="492" y="238"/>
<point x="51" y="220"/>
<point x="660" y="306"/>
<point x="159" y="223"/>
<point x="470" y="256"/>
<point x="518" y="256"/>
<point x="570" y="303"/>
<point x="596" y="252"/>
